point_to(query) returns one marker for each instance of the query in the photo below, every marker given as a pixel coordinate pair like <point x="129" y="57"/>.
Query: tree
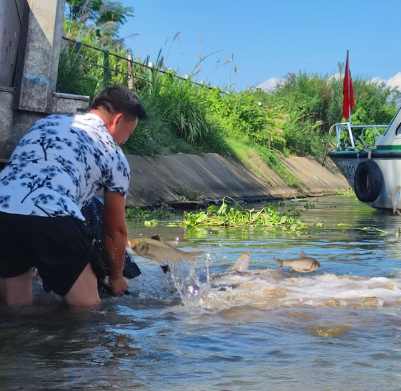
<point x="104" y="15"/>
<point x="99" y="12"/>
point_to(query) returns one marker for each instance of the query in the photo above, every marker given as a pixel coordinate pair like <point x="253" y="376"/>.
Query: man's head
<point x="120" y="108"/>
<point x="119" y="99"/>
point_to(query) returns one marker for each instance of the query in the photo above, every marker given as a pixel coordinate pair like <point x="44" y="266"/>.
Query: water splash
<point x="200" y="287"/>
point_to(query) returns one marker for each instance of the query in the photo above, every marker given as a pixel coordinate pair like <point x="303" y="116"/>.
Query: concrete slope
<point x="153" y="180"/>
<point x="316" y="179"/>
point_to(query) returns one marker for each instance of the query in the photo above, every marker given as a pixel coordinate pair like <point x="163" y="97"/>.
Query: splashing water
<point x="266" y="289"/>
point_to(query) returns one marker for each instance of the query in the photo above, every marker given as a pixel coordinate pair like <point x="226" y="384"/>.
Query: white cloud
<point x="378" y="80"/>
<point x="336" y="76"/>
<point x="395" y="81"/>
<point x="269" y="84"/>
<point x="392" y="82"/>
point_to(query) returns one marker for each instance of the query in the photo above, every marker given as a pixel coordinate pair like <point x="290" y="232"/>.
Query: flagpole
<point x="349" y="90"/>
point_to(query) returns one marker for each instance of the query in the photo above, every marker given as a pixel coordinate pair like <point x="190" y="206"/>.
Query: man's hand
<point x="118" y="285"/>
<point x="115" y="239"/>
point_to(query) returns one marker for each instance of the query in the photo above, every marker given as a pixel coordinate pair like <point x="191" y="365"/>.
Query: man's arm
<point x="115" y="238"/>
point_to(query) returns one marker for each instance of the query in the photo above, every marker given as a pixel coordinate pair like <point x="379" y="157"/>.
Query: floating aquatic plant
<point x="237" y="216"/>
<point x="373" y="230"/>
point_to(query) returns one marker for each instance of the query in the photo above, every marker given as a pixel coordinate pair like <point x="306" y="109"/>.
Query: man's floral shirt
<point x="59" y="166"/>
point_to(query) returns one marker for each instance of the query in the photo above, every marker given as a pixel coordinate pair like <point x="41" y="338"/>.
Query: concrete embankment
<point x="168" y="180"/>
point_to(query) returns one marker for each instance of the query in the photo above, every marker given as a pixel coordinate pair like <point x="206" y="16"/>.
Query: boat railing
<point x="350" y="139"/>
<point x="350" y="142"/>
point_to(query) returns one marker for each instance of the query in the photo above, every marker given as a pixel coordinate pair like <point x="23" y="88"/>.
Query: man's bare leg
<point x="17" y="291"/>
<point x="84" y="292"/>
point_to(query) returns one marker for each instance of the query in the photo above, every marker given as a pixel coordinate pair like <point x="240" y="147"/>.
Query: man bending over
<point x="56" y="169"/>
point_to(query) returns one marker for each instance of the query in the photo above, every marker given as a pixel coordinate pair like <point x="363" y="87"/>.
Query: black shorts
<point x="59" y="247"/>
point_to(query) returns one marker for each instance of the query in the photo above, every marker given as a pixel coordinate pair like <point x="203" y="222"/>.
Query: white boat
<point x="369" y="156"/>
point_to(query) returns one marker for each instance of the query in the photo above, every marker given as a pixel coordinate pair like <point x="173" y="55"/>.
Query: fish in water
<point x="159" y="238"/>
<point x="242" y="263"/>
<point x="165" y="268"/>
<point x="394" y="199"/>
<point x="160" y="251"/>
<point x="303" y="264"/>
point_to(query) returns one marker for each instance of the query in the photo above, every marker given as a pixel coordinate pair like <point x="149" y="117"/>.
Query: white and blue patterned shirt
<point x="59" y="166"/>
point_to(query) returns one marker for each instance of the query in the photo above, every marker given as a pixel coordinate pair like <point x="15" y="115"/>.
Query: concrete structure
<point x="30" y="41"/>
<point x="154" y="180"/>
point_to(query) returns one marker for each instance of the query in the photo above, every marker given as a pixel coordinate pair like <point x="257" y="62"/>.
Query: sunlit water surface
<point x="207" y="328"/>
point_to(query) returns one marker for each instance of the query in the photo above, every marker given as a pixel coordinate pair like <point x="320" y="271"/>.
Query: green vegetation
<point x="310" y="104"/>
<point x="253" y="126"/>
<point x="104" y="17"/>
<point x="178" y="119"/>
<point x="228" y="214"/>
<point x="139" y="215"/>
<point x="236" y="216"/>
<point x="348" y="192"/>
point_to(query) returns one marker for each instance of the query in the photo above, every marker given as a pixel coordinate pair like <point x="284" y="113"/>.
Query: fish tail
<point x="280" y="262"/>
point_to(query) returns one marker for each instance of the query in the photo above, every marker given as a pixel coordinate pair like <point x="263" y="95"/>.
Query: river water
<point x="207" y="328"/>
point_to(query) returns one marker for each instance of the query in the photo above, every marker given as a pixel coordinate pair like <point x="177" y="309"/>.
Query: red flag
<point x="348" y="92"/>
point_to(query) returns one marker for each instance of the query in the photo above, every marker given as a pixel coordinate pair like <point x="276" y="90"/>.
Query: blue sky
<point x="268" y="38"/>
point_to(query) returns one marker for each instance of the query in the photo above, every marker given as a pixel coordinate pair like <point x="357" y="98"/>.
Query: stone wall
<point x="34" y="29"/>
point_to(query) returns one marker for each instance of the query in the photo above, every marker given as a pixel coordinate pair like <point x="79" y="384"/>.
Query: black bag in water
<point x="93" y="213"/>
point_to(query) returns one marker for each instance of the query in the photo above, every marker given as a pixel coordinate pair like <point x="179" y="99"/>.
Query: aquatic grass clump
<point x="137" y="214"/>
<point x="348" y="192"/>
<point x="236" y="216"/>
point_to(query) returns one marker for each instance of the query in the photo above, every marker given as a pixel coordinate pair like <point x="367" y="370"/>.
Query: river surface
<point x="207" y="328"/>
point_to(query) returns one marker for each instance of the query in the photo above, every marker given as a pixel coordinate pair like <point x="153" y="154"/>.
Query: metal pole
<point x="79" y="44"/>
<point x="130" y="78"/>
<point x="338" y="136"/>
<point x="151" y="73"/>
<point x="106" y="74"/>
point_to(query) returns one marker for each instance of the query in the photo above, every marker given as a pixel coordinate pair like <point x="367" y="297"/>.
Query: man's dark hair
<point x="120" y="99"/>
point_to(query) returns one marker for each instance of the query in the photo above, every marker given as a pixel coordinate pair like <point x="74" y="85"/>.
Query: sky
<point x="267" y="39"/>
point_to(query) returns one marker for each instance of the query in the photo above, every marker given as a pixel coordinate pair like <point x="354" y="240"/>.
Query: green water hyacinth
<point x="236" y="216"/>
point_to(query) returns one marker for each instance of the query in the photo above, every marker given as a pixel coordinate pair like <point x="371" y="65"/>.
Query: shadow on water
<point x="208" y="328"/>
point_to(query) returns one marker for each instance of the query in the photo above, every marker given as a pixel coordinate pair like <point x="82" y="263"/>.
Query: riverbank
<point x="189" y="181"/>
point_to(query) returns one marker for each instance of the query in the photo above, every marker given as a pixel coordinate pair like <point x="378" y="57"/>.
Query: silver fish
<point x="160" y="251"/>
<point x="159" y="238"/>
<point x="242" y="263"/>
<point x="394" y="199"/>
<point x="303" y="264"/>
